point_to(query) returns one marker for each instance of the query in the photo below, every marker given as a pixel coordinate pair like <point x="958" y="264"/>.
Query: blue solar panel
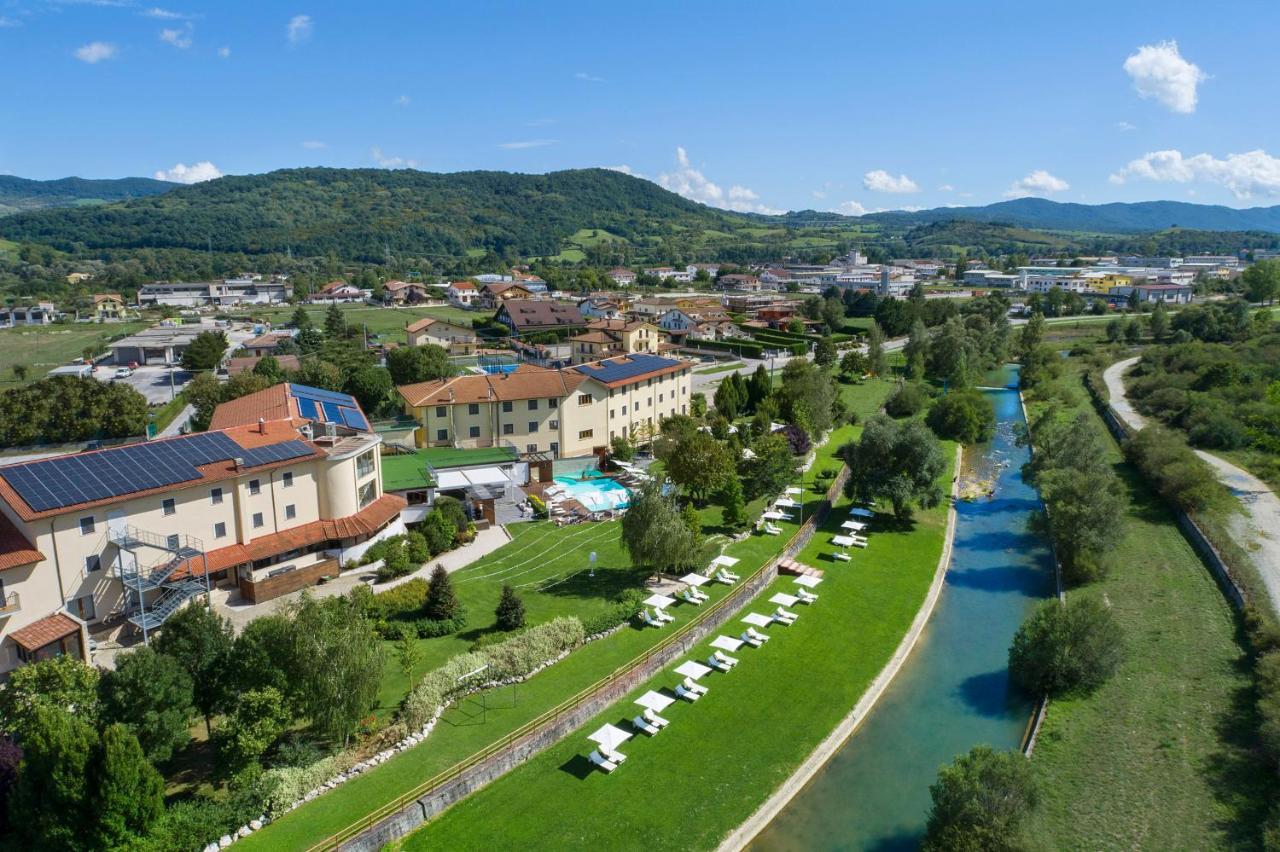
<point x="308" y="408"/>
<point x="321" y="395"/>
<point x="332" y="412"/>
<point x="353" y="418"/>
<point x="327" y="406"/>
<point x="635" y="365"/>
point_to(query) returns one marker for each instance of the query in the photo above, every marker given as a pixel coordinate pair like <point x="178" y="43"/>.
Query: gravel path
<point x="1258" y="530"/>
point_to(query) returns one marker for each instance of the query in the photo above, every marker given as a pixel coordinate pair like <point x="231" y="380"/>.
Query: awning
<point x="726" y="561"/>
<point x="808" y="581"/>
<point x="47" y="630"/>
<point x="755" y="619"/>
<point x="694" y="579"/>
<point x="784" y="599"/>
<point x="610" y="737"/>
<point x="856" y="526"/>
<point x="843" y="540"/>
<point x="450" y="480"/>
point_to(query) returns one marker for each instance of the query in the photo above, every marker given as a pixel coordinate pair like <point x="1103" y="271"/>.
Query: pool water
<point x="597" y="494"/>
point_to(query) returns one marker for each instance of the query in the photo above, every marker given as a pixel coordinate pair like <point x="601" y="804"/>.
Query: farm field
<point x="42" y="348"/>
<point x="386" y="322"/>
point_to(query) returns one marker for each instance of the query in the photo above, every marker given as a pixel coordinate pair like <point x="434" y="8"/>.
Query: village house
<point x="525" y="316"/>
<point x="492" y="295"/>
<point x="265" y="344"/>
<point x="405" y="292"/>
<point x="108" y="307"/>
<point x="462" y="294"/>
<point x="597" y="307"/>
<point x="622" y="276"/>
<point x="607" y="338"/>
<point x="339" y="291"/>
<point x="41" y="313"/>
<point x="457" y="339"/>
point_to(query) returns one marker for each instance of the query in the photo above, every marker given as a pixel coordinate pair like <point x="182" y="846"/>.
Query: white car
<point x="123" y="373"/>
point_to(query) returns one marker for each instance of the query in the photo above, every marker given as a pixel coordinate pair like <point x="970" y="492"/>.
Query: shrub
<point x="625" y="609"/>
<point x="539" y="507"/>
<point x="418" y="549"/>
<point x="404" y="602"/>
<point x="433" y="628"/>
<point x="1064" y="648"/>
<point x="1178" y="474"/>
<point x="964" y="416"/>
<point x="439" y="531"/>
<point x="980" y="802"/>
<point x="510" y="611"/>
<point x="907" y="401"/>
<point x="395" y="563"/>
<point x="441" y="603"/>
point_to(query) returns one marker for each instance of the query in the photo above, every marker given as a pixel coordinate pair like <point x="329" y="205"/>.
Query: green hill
<point x="19" y="194"/>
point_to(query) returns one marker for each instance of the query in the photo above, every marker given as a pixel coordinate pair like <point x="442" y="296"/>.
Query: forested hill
<point x="360" y="214"/>
<point x="1116" y="218"/>
<point x="19" y="194"/>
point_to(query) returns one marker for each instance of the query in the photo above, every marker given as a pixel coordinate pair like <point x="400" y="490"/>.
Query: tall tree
<point x="899" y="461"/>
<point x="151" y="695"/>
<point x="952" y="356"/>
<point x="700" y="465"/>
<point x="51" y="796"/>
<point x="875" y="349"/>
<point x="201" y="641"/>
<point x="1159" y="322"/>
<point x="654" y="533"/>
<point x="335" y="323"/>
<point x="300" y="319"/>
<point x="917" y="351"/>
<point x="759" y="388"/>
<point x="339" y="657"/>
<point x="1262" y="281"/>
<point x="824" y="354"/>
<point x="442" y="602"/>
<point x="127" y="793"/>
<point x="205" y="351"/>
<point x="410" y="364"/>
<point x="981" y="802"/>
<point x="60" y="683"/>
<point x="510" y="610"/>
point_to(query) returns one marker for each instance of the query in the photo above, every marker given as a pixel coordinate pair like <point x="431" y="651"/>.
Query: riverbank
<point x="721" y="758"/>
<point x="745" y="833"/>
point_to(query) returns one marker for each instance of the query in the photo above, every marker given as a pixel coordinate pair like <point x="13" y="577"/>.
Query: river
<point x="953" y="692"/>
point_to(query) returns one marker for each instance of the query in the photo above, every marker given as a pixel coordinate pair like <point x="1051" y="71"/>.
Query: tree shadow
<point x="1001" y="579"/>
<point x="607" y="583"/>
<point x="902" y="841"/>
<point x="1236" y="771"/>
<point x="989" y="694"/>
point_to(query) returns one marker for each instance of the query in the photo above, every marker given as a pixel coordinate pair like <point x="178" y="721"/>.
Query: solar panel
<point x="636" y="365"/>
<point x="320" y="394"/>
<point x="353" y="418"/>
<point x="308" y="408"/>
<point x="332" y="412"/>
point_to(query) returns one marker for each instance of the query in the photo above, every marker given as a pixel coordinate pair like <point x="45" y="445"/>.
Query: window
<point x="92" y="562"/>
<point x="660" y="397"/>
<point x="585" y="434"/>
<point x="440" y="411"/>
<point x="82" y="608"/>
<point x="364" y="464"/>
<point x="168" y="506"/>
<point x="530" y="448"/>
<point x="650" y="403"/>
<point x="366" y="494"/>
<point x="553" y="424"/>
<point x="506" y="406"/>
<point x="290" y="512"/>
<point x="174" y="541"/>
<point x="287" y="479"/>
<point x="220" y="530"/>
<point x="442" y="434"/>
<point x="257" y="520"/>
<point x="473" y="408"/>
<point x="215" y="496"/>
<point x="553" y="403"/>
<point x="474" y="431"/>
<point x="508" y="428"/>
<point x="86" y="526"/>
<point x="255" y="487"/>
<point x="584" y="399"/>
<point x="533" y="426"/>
<point x="624" y="411"/>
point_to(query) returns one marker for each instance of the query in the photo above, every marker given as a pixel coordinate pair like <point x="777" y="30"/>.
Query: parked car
<point x="123" y="373"/>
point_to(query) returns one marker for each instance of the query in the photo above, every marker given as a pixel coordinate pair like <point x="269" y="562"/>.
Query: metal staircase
<point x="142" y="581"/>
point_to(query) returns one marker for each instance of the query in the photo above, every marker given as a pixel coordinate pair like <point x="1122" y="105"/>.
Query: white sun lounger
<point x="654" y="719"/>
<point x="753" y="641"/>
<point x="599" y="760"/>
<point x="757" y="635"/>
<point x="724" y="659"/>
<point x="688" y="597"/>
<point x="785" y="616"/>
<point x="690" y="683"/>
<point x="806" y="596"/>
<point x="663" y="616"/>
<point x="770" y="529"/>
<point x="702" y="596"/>
<point x="642" y="725"/>
<point x="687" y="694"/>
<point x="646" y="618"/>
<point x="611" y="755"/>
<point x="722" y="577"/>
<point x="842" y="556"/>
<point x="717" y="665"/>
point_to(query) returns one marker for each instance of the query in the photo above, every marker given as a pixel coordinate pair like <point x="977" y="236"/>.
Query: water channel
<point x="953" y="692"/>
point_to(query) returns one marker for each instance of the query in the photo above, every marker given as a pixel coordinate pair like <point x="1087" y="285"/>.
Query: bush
<point x="907" y="401"/>
<point x="510" y="610"/>
<point x="1065" y="648"/>
<point x="980" y="802"/>
<point x="1178" y="474"/>
<point x="395" y="563"/>
<point x="964" y="416"/>
<point x="433" y="628"/>
<point x="539" y="507"/>
<point x="625" y="609"/>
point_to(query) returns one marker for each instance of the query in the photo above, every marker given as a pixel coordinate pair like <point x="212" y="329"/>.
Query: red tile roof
<point x="427" y="322"/>
<point x="235" y="366"/>
<point x="51" y="628"/>
<point x="525" y="382"/>
<point x="274" y="403"/>
<point x="15" y="550"/>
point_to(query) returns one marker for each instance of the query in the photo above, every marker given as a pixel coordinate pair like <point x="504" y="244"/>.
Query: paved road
<point x="1258" y="530"/>
<point x="707" y="383"/>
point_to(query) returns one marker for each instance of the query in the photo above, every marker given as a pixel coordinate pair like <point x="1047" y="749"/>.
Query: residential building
<point x="739" y="282"/>
<point x="108" y="307"/>
<point x="41" y="313"/>
<point x="161" y="344"/>
<point x="561" y="413"/>
<point x="458" y="339"/>
<point x="265" y="344"/>
<point x="283" y="491"/>
<point x="250" y="290"/>
<point x="668" y="273"/>
<point x="493" y="295"/>
<point x="462" y="294"/>
<point x="339" y="291"/>
<point x="596" y="307"/>
<point x="622" y="276"/>
<point x="607" y="338"/>
<point x="79" y="277"/>
<point x="529" y="316"/>
<point x="1171" y="294"/>
<point x="405" y="292"/>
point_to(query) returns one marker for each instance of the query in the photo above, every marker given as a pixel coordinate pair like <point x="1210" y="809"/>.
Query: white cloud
<point x="179" y="38"/>
<point x="878" y="180"/>
<point x="692" y="184"/>
<point x="388" y="162"/>
<point x="946" y="187"/>
<point x="1038" y="182"/>
<point x="194" y="173"/>
<point x="96" y="51"/>
<point x="590" y="78"/>
<point x="818" y="193"/>
<point x="404" y="100"/>
<point x="1159" y="71"/>
<point x="313" y="145"/>
<point x="9" y="22"/>
<point x="1248" y="174"/>
<point x="298" y="29"/>
<point x="527" y="143"/>
<point x="625" y="169"/>
<point x="165" y="14"/>
<point x="851" y="208"/>
<point x="224" y="53"/>
<point x="1125" y="127"/>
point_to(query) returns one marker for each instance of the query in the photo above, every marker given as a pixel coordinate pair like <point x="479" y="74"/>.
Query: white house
<point x="462" y="294"/>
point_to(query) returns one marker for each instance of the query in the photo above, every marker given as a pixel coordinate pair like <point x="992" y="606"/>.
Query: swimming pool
<point x="597" y="494"/>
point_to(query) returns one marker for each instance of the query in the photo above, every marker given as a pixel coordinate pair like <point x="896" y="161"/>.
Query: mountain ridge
<point x="18" y="194"/>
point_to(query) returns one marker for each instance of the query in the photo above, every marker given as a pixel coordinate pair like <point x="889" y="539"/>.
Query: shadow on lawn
<point x="1235" y="771"/>
<point x="607" y="583"/>
<point x="579" y="767"/>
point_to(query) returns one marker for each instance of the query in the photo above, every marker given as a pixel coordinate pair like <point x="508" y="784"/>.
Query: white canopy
<point x="726" y="561"/>
<point x="453" y="479"/>
<point x="854" y="525"/>
<point x="755" y="619"/>
<point x="655" y="701"/>
<point x="785" y="501"/>
<point x="793" y="490"/>
<point x="861" y="512"/>
<point x="692" y="668"/>
<point x="784" y="599"/>
<point x="659" y="601"/>
<point x="843" y="540"/>
<point x="774" y="516"/>
<point x="610" y="736"/>
<point x="695" y="579"/>
<point x="726" y="643"/>
<point x="808" y="581"/>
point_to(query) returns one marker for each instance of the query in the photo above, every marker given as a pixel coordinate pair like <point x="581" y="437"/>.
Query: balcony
<point x="10" y="604"/>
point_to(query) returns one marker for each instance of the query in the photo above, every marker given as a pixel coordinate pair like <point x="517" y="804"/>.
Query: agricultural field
<point x="386" y="322"/>
<point x="41" y="348"/>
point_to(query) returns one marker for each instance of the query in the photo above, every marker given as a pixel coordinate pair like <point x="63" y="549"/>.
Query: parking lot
<point x="152" y="381"/>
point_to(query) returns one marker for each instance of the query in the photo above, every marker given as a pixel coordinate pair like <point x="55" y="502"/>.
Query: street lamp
<point x="592" y="560"/>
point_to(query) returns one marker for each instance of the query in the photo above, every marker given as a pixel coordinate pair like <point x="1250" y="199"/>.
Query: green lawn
<point x="387" y="322"/>
<point x="587" y="237"/>
<point x="44" y="347"/>
<point x="1160" y="757"/>
<point x="721" y="757"/>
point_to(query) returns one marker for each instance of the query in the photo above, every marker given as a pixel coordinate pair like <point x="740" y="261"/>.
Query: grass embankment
<point x="723" y="756"/>
<point x="1159" y="757"/>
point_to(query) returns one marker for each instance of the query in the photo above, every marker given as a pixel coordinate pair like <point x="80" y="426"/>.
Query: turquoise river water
<point x="953" y="692"/>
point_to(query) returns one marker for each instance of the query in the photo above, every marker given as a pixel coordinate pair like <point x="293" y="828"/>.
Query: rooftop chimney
<point x="262" y="425"/>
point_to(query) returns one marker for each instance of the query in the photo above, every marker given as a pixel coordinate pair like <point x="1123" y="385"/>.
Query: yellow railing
<point x="549" y="716"/>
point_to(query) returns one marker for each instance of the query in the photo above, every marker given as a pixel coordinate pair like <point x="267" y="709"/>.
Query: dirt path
<point x="1258" y="530"/>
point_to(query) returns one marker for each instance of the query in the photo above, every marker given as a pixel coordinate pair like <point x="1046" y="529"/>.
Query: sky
<point x="762" y="106"/>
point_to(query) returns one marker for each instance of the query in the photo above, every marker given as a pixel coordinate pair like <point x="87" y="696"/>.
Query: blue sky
<point x="767" y="106"/>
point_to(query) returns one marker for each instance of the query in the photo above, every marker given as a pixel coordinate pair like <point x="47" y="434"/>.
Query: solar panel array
<point x="328" y="406"/>
<point x="635" y="365"/>
<point x="70" y="480"/>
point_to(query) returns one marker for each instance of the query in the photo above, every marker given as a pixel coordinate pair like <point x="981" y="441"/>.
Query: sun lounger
<point x="599" y="760"/>
<point x="757" y="635"/>
<point x="753" y="641"/>
<point x="770" y="529"/>
<point x="664" y="616"/>
<point x="806" y="596"/>
<point x="842" y="556"/>
<point x="717" y="665"/>
<point x="691" y="684"/>
<point x="646" y="618"/>
<point x="785" y="616"/>
<point x="643" y="726"/>
<point x="689" y="597"/>
<point x="724" y="658"/>
<point x="612" y="756"/>
<point x="687" y="694"/>
<point x="722" y="577"/>
<point x="654" y="719"/>
<point x="699" y="594"/>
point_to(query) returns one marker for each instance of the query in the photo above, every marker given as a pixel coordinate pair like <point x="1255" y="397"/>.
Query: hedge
<point x="743" y="348"/>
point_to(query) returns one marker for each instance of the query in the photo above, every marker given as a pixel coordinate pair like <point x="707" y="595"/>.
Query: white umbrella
<point x="774" y="516"/>
<point x="755" y="619"/>
<point x="726" y="561"/>
<point x="784" y="599"/>
<point x="808" y="581"/>
<point x="793" y="490"/>
<point x="726" y="643"/>
<point x="692" y="669"/>
<point x="695" y="579"/>
<point x="655" y="701"/>
<point x="610" y="736"/>
<point x="843" y="540"/>
<point x="854" y="525"/>
<point x="659" y="601"/>
<point x="785" y="501"/>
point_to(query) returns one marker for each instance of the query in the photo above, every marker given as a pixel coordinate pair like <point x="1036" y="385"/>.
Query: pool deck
<point x="571" y="506"/>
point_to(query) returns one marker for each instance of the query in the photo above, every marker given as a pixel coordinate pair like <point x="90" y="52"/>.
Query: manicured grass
<point x="45" y="347"/>
<point x="1160" y="757"/>
<point x="721" y="757"/>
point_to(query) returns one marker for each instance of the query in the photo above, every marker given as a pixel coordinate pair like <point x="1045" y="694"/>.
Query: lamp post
<point x="592" y="560"/>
